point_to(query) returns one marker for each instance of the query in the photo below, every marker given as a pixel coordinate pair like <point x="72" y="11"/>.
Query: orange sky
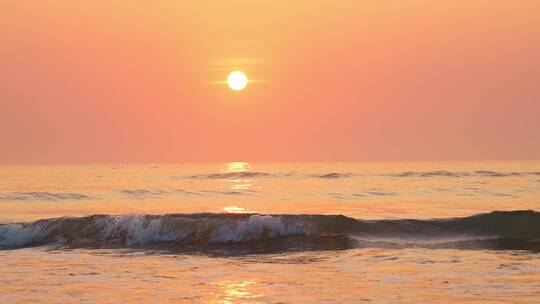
<point x="134" y="81"/>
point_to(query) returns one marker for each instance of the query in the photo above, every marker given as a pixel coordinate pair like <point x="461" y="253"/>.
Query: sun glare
<point x="237" y="80"/>
<point x="236" y="209"/>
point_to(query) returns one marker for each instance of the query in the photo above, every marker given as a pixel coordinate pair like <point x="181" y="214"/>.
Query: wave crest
<point x="231" y="175"/>
<point x="44" y="196"/>
<point x="206" y="231"/>
<point x="132" y="230"/>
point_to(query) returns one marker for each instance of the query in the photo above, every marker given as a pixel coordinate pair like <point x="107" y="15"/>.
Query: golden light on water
<point x="240" y="184"/>
<point x="236" y="209"/>
<point x="236" y="167"/>
<point x="238" y="291"/>
<point x="237" y="182"/>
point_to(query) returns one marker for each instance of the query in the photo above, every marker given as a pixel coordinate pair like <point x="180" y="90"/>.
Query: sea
<point x="239" y="232"/>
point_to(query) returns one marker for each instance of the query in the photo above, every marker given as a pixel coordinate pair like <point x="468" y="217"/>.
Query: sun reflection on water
<point x="238" y="291"/>
<point x="236" y="209"/>
<point x="236" y="183"/>
<point x="240" y="184"/>
<point x="236" y="167"/>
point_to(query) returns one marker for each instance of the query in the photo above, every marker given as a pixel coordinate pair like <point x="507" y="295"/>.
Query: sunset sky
<point x="142" y="81"/>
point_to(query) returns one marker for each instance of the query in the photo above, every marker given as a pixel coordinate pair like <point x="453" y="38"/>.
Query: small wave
<point x="44" y="196"/>
<point x="361" y="195"/>
<point x="229" y="192"/>
<point x="499" y="174"/>
<point x="333" y="175"/>
<point x="337" y="175"/>
<point x="231" y="175"/>
<point x="268" y="233"/>
<point x="457" y="174"/>
<point x="142" y="193"/>
<point x="430" y="174"/>
<point x="381" y="193"/>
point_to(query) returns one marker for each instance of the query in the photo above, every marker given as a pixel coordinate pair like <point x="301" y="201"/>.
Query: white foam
<point x="138" y="231"/>
<point x="15" y="235"/>
<point x="254" y="228"/>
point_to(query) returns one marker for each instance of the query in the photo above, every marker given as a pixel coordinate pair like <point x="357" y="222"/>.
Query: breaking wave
<point x="257" y="233"/>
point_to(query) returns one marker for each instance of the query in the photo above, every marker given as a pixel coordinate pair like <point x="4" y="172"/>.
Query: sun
<point x="237" y="80"/>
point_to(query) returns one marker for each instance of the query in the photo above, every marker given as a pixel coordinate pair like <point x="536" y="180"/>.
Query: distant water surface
<point x="358" y="190"/>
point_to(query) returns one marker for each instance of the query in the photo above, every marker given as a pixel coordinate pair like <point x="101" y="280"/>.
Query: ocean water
<point x="271" y="233"/>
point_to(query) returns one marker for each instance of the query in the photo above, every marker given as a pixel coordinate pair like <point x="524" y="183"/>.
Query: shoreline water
<point x="269" y="233"/>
